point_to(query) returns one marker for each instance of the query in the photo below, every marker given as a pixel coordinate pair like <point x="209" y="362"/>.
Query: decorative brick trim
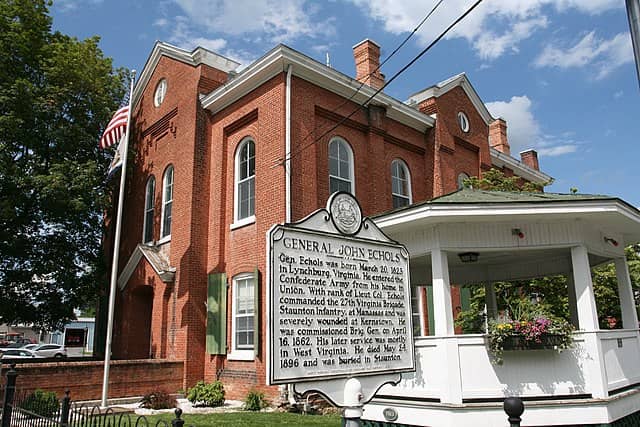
<point x="466" y="145"/>
<point x="330" y="115"/>
<point x="243" y="121"/>
<point x="162" y="127"/>
<point x="446" y="149"/>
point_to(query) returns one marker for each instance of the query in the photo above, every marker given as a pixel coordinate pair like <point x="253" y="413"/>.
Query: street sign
<point x="339" y="298"/>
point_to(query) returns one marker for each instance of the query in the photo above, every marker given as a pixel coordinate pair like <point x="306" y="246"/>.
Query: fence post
<point x="514" y="407"/>
<point x="177" y="422"/>
<point x="9" y="392"/>
<point x="64" y="412"/>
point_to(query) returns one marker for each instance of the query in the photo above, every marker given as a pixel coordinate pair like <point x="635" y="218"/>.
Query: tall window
<point x="243" y="327"/>
<point x="400" y="184"/>
<point x="340" y="167"/>
<point x="245" y="180"/>
<point x="167" y="202"/>
<point x="149" y="202"/>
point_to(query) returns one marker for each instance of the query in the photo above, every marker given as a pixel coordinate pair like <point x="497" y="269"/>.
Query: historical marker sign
<point x="339" y="298"/>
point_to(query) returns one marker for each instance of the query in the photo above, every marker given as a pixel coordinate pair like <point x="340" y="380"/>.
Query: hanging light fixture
<point x="468" y="256"/>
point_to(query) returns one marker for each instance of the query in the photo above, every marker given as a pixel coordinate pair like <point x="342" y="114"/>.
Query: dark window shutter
<point x="217" y="314"/>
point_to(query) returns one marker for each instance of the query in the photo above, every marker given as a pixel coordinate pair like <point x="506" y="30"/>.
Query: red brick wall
<point x="457" y="151"/>
<point x="84" y="379"/>
<point x="202" y="148"/>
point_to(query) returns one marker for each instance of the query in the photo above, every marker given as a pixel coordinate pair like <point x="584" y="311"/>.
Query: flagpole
<point x="116" y="249"/>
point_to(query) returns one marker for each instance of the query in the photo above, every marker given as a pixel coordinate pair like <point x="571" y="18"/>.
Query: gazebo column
<point x="450" y="383"/>
<point x="594" y="366"/>
<point x="573" y="305"/>
<point x="490" y="300"/>
<point x="625" y="292"/>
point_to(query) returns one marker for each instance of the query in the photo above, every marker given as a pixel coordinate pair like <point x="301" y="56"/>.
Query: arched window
<point x="340" y="167"/>
<point x="461" y="179"/>
<point x="400" y="184"/>
<point x="149" y="203"/>
<point x="245" y="180"/>
<point x="167" y="203"/>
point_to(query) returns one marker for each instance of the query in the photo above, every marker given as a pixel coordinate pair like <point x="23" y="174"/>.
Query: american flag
<point x="116" y="128"/>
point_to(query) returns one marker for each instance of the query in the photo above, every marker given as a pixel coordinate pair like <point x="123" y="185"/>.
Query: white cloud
<point x="523" y="129"/>
<point x="493" y="28"/>
<point x="558" y="150"/>
<point x="70" y="5"/>
<point x="277" y="20"/>
<point x="182" y="35"/>
<point x="603" y="55"/>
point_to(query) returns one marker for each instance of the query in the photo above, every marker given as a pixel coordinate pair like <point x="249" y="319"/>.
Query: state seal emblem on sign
<point x="345" y="212"/>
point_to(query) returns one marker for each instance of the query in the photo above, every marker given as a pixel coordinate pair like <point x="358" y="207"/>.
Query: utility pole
<point x="633" y="13"/>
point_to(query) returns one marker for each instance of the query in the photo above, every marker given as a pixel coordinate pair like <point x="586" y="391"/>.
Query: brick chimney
<point x="498" y="136"/>
<point x="367" y="57"/>
<point x="530" y="158"/>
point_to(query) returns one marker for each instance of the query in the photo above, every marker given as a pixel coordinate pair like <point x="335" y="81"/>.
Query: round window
<point x="463" y="121"/>
<point x="161" y="91"/>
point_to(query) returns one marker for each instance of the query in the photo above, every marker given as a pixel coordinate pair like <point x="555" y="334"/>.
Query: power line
<point x="402" y="70"/>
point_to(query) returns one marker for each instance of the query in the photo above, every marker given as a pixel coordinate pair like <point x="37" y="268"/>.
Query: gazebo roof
<point x="468" y="195"/>
<point x="467" y="205"/>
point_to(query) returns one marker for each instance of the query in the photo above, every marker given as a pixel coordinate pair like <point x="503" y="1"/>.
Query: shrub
<point x="204" y="394"/>
<point x="40" y="402"/>
<point x="254" y="401"/>
<point x="158" y="399"/>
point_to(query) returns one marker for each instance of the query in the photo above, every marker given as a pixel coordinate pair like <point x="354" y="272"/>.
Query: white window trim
<point x="408" y="172"/>
<point x="239" y="354"/>
<point x="352" y="177"/>
<point x="463" y="122"/>
<point x="156" y="93"/>
<point x="244" y="221"/>
<point x="237" y="223"/>
<point x="153" y="202"/>
<point x="164" y="184"/>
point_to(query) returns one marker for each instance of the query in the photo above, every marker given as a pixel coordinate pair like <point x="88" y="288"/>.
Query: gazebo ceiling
<point x="498" y="265"/>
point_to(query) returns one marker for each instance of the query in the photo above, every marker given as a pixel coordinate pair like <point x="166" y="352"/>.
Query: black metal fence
<point x="41" y="409"/>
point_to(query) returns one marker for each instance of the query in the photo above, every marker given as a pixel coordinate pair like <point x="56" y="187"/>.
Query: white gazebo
<point x="516" y="236"/>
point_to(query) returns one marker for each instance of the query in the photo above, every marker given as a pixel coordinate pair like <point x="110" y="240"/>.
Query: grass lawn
<point x="251" y="419"/>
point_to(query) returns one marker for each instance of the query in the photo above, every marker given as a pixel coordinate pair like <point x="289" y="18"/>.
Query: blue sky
<point x="561" y="72"/>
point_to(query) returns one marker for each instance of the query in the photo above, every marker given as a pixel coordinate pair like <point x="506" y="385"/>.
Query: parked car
<point x="51" y="350"/>
<point x="30" y="346"/>
<point x="19" y="353"/>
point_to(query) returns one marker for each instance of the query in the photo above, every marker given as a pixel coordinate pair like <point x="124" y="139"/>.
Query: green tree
<point x="56" y="95"/>
<point x="495" y="180"/>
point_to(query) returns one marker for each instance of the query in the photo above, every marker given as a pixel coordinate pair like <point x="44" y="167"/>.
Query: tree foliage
<point x="495" y="180"/>
<point x="56" y="95"/>
<point x="552" y="291"/>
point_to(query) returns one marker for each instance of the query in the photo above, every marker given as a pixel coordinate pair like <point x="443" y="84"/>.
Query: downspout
<point x="287" y="172"/>
<point x="287" y="142"/>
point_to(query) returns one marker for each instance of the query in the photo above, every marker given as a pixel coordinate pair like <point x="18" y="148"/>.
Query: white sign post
<point x="339" y="306"/>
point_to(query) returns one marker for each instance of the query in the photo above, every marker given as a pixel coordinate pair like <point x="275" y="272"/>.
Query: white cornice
<point x="500" y="159"/>
<point x="278" y="59"/>
<point x="612" y="214"/>
<point x="196" y="57"/>
<point x="451" y="83"/>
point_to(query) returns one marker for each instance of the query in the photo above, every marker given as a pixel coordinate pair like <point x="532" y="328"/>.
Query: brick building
<point x="221" y="156"/>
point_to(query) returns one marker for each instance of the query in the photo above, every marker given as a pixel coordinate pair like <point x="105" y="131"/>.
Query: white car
<point x="19" y="353"/>
<point x="51" y="350"/>
<point x="30" y="346"/>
